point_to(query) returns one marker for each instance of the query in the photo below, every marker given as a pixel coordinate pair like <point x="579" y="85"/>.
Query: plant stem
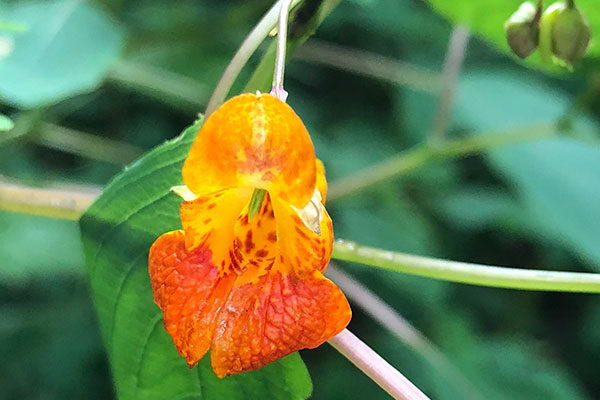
<point x="71" y="203"/>
<point x="457" y="48"/>
<point x="161" y="84"/>
<point x="375" y="367"/>
<point x="250" y="44"/>
<point x="369" y="64"/>
<point x="387" y="317"/>
<point x="261" y="78"/>
<point x="54" y="203"/>
<point x="279" y="70"/>
<point x="422" y="154"/>
<point x="85" y="144"/>
<point x="474" y="274"/>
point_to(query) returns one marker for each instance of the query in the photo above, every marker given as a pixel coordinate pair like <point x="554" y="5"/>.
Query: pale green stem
<point x="369" y="64"/>
<point x="421" y="155"/>
<point x="241" y="57"/>
<point x="71" y="204"/>
<point x="261" y="77"/>
<point x="474" y="274"/>
<point x="457" y="48"/>
<point x="54" y="203"/>
<point x="375" y="367"/>
<point x="388" y="318"/>
<point x="279" y="70"/>
<point x="85" y="144"/>
<point x="161" y="84"/>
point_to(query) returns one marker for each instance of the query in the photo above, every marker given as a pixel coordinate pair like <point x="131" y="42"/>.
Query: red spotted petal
<point x="209" y="222"/>
<point x="187" y="289"/>
<point x="276" y="316"/>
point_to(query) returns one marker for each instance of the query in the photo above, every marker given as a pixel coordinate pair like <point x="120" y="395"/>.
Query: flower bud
<point x="522" y="30"/>
<point x="564" y="34"/>
<point x="570" y="35"/>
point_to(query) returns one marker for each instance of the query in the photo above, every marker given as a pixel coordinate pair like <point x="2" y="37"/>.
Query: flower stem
<point x="387" y="317"/>
<point x="279" y="70"/>
<point x="474" y="274"/>
<point x="250" y="44"/>
<point x="375" y="367"/>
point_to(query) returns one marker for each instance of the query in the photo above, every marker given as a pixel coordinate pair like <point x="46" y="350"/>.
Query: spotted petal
<point x="276" y="316"/>
<point x="254" y="141"/>
<point x="187" y="288"/>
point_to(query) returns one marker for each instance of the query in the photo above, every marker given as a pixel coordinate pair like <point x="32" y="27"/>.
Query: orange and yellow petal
<point x="280" y="314"/>
<point x="303" y="247"/>
<point x="321" y="181"/>
<point x="187" y="288"/>
<point x="255" y="247"/>
<point x="254" y="141"/>
<point x="208" y="221"/>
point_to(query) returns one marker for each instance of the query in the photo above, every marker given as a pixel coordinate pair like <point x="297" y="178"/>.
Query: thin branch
<point x="54" y="203"/>
<point x="241" y="57"/>
<point x="85" y="144"/>
<point x="375" y="367"/>
<point x="387" y="317"/>
<point x="71" y="203"/>
<point x="457" y="47"/>
<point x="474" y="274"/>
<point x="369" y="64"/>
<point x="422" y="154"/>
<point x="164" y="85"/>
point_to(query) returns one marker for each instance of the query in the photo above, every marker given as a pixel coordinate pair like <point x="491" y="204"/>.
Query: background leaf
<point x="60" y="54"/>
<point x="557" y="180"/>
<point x="117" y="232"/>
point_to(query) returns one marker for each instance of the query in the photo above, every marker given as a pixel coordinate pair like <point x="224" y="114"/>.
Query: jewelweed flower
<point x="250" y="290"/>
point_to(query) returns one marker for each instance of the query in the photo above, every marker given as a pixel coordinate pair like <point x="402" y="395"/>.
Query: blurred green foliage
<point x="530" y="205"/>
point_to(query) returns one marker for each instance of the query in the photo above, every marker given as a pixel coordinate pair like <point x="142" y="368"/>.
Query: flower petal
<point x="254" y="141"/>
<point x="187" y="288"/>
<point x="302" y="249"/>
<point x="255" y="247"/>
<point x="279" y="315"/>
<point x="321" y="181"/>
<point x="209" y="220"/>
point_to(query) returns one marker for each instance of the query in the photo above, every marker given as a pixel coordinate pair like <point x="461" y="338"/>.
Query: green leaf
<point x="67" y="49"/>
<point x="117" y="232"/>
<point x="496" y="364"/>
<point x="6" y="123"/>
<point x="555" y="179"/>
<point x="56" y="251"/>
<point x="486" y="19"/>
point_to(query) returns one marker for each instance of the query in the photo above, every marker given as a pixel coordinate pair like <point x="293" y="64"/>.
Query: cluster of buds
<point x="561" y="32"/>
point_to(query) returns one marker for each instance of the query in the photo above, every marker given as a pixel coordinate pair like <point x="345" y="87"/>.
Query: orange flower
<point x="250" y="290"/>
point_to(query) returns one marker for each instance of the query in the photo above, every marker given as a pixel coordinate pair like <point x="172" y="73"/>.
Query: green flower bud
<point x="564" y="34"/>
<point x="522" y="30"/>
<point x="546" y="24"/>
<point x="570" y="34"/>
